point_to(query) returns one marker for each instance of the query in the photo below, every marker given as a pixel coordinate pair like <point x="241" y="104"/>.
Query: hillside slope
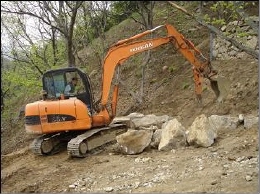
<point x="229" y="165"/>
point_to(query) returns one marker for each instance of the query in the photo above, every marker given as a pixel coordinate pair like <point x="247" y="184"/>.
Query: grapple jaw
<point x="220" y="86"/>
<point x="215" y="88"/>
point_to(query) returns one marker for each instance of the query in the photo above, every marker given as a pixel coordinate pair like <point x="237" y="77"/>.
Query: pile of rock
<point x="166" y="133"/>
<point x="242" y="33"/>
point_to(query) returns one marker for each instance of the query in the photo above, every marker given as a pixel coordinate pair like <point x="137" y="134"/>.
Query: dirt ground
<point x="230" y="165"/>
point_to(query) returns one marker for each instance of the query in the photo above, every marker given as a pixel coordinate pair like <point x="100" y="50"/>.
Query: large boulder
<point x="134" y="141"/>
<point x="148" y="120"/>
<point x="201" y="133"/>
<point x="172" y="136"/>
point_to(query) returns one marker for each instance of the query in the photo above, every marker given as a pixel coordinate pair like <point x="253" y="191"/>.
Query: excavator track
<point x="83" y="144"/>
<point x="50" y="144"/>
<point x="45" y="145"/>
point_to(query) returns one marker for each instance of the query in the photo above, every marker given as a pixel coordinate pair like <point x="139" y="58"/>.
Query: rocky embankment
<point x="167" y="135"/>
<point x="242" y="33"/>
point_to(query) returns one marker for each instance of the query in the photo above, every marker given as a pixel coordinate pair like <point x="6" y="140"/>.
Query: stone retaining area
<point x="241" y="32"/>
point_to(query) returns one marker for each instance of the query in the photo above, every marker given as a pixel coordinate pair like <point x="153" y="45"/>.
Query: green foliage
<point x="122" y="9"/>
<point x="43" y="57"/>
<point x="185" y="85"/>
<point x="224" y="12"/>
<point x="230" y="14"/>
<point x="21" y="78"/>
<point x="242" y="34"/>
<point x="172" y="69"/>
<point x="165" y="80"/>
<point x="61" y="55"/>
<point x="162" y="13"/>
<point x="218" y="22"/>
<point x="154" y="80"/>
<point x="138" y="73"/>
<point x="18" y="82"/>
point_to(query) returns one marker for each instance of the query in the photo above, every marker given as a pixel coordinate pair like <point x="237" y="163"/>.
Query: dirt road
<point x="231" y="165"/>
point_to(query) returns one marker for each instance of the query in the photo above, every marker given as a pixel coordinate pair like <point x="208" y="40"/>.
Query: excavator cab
<point x="55" y="81"/>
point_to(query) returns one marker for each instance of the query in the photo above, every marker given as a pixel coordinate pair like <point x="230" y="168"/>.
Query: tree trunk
<point x="71" y="58"/>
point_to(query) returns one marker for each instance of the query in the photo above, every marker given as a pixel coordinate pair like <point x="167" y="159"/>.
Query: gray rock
<point x="201" y="133"/>
<point x="172" y="136"/>
<point x="134" y="141"/>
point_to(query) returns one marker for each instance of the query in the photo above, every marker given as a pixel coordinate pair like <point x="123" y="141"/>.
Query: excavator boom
<point x="123" y="49"/>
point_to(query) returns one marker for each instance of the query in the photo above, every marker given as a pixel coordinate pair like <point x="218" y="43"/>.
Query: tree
<point x="2" y="93"/>
<point x="56" y="17"/>
<point x="143" y="9"/>
<point x="97" y="13"/>
<point x="121" y="10"/>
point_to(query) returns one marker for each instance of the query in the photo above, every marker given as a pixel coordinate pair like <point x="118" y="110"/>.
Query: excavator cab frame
<point x="54" y="82"/>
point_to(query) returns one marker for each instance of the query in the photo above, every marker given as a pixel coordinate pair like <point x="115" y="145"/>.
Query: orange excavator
<point x="73" y="118"/>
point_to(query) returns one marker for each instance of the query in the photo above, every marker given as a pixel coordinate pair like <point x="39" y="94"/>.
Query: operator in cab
<point x="70" y="88"/>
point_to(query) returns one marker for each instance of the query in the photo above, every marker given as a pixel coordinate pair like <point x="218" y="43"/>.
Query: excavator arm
<point x="126" y="48"/>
